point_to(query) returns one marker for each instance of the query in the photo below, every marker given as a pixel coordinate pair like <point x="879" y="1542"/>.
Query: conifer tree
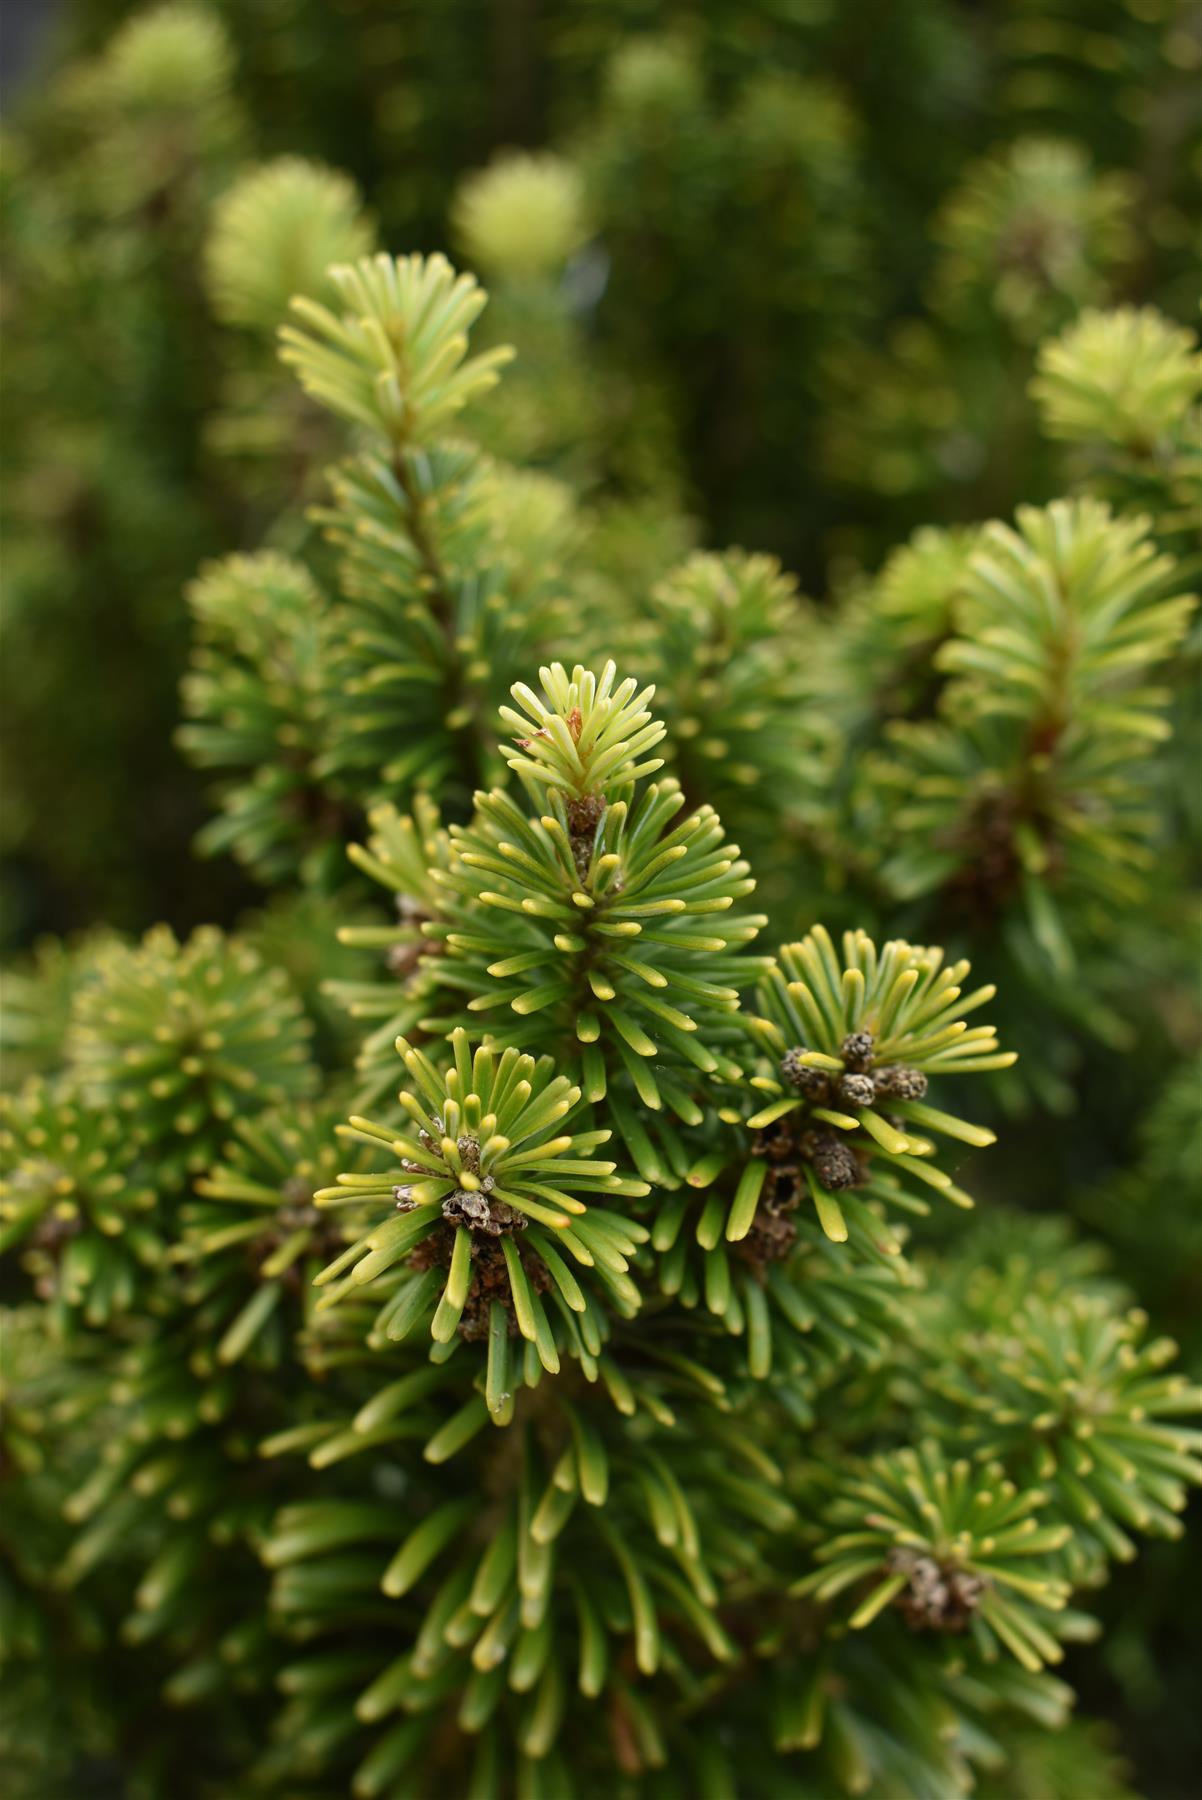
<point x="764" y="409"/>
<point x="573" y="1396"/>
<point x="144" y="379"/>
<point x="541" y="1308"/>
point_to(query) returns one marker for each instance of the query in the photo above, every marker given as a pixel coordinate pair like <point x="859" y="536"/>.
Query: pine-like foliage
<point x="511" y="1316"/>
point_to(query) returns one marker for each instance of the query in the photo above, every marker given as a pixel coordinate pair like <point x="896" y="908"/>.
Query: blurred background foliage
<point x="816" y="246"/>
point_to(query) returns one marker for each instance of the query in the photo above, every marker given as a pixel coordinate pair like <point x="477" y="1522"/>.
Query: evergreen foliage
<point x="522" y="217"/>
<point x="274" y="234"/>
<point x="488" y="1322"/>
<point x="767" y="404"/>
